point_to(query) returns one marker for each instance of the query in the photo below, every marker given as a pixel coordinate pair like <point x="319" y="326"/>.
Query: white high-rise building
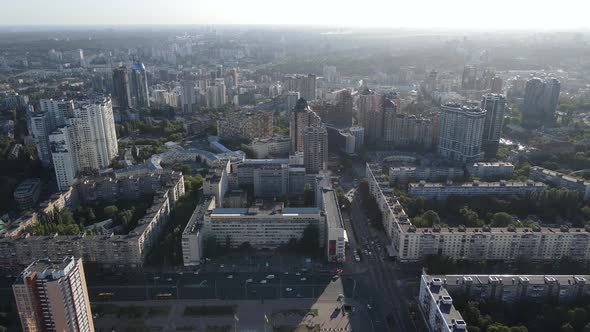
<point x="461" y="132"/>
<point x="88" y="141"/>
<point x="52" y="296"/>
<point x="63" y="156"/>
<point x="216" y="94"/>
<point x="58" y="110"/>
<point x="40" y="129"/>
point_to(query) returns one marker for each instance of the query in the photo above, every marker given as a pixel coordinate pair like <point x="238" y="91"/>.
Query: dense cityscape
<point x="247" y="178"/>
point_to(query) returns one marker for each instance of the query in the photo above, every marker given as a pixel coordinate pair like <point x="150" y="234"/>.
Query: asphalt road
<point x="380" y="283"/>
<point x="209" y="285"/>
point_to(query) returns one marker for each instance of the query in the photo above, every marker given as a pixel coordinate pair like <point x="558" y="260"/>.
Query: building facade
<point x="495" y="106"/>
<point x="51" y="295"/>
<point x="315" y="149"/>
<point x="461" y="132"/>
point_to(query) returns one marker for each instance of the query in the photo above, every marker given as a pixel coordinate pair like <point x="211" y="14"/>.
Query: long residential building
<point x="495" y="170"/>
<point x="442" y="191"/>
<point x="405" y="174"/>
<point x="472" y="243"/>
<point x="561" y="180"/>
<point x="106" y="249"/>
<point x="436" y="306"/>
<point x="435" y="298"/>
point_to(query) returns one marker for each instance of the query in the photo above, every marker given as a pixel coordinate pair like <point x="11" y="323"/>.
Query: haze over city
<point x="454" y="14"/>
<point x="307" y="166"/>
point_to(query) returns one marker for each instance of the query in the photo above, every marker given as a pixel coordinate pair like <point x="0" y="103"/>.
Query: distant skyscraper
<point x="219" y="71"/>
<point x="305" y="85"/>
<point x="469" y="79"/>
<point x="497" y="85"/>
<point x="188" y="96"/>
<point x="540" y="102"/>
<point x="138" y="86"/>
<point x="315" y="149"/>
<point x="494" y="105"/>
<point x="301" y="117"/>
<point x="291" y="98"/>
<point x="371" y="115"/>
<point x="461" y="131"/>
<point x="550" y="100"/>
<point x="52" y="296"/>
<point x="121" y="87"/>
<point x="216" y="94"/>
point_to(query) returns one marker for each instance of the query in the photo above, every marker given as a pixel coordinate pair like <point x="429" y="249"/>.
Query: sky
<point x="470" y="14"/>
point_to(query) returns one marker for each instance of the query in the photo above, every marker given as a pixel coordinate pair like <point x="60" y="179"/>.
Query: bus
<point x="164" y="296"/>
<point x="105" y="296"/>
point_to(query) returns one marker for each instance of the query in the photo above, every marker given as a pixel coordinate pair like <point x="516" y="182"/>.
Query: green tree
<point x="498" y="327"/>
<point x="469" y="217"/>
<point x="110" y="211"/>
<point x="432" y="217"/>
<point x="501" y="219"/>
<point x="579" y="318"/>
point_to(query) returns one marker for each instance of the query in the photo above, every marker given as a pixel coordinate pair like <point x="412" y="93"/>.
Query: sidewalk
<point x="292" y="312"/>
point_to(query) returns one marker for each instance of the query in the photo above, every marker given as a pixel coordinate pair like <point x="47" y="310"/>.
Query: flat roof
<point x="447" y="310"/>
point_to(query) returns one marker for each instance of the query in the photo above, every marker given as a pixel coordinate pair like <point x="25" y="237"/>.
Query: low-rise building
<point x="277" y="145"/>
<point x="405" y="174"/>
<point x="263" y="226"/>
<point x="442" y="191"/>
<point x="487" y="171"/>
<point x="26" y="193"/>
<point x="561" y="180"/>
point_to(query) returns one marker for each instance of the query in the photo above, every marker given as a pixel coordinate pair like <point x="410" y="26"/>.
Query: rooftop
<point x="444" y="301"/>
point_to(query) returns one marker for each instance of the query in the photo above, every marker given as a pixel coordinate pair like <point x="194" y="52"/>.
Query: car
<point x="303" y="279"/>
<point x="169" y="279"/>
<point x="288" y="289"/>
<point x="286" y="272"/>
<point x="357" y="258"/>
<point x="298" y="274"/>
<point x="249" y="280"/>
<point x="299" y="295"/>
<point x="369" y="306"/>
<point x="263" y="281"/>
<point x="180" y="273"/>
<point x="196" y="272"/>
<point x="270" y="276"/>
<point x="303" y="270"/>
<point x="231" y="276"/>
<point x="222" y="266"/>
<point x="156" y="277"/>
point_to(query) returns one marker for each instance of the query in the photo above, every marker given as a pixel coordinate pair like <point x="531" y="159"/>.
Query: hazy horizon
<point x="524" y="15"/>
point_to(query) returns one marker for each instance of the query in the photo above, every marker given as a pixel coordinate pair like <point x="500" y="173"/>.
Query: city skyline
<point x="522" y="15"/>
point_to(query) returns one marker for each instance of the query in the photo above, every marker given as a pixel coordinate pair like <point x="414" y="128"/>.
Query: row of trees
<point x="523" y="316"/>
<point x="370" y="205"/>
<point x="71" y="221"/>
<point x="551" y="205"/>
